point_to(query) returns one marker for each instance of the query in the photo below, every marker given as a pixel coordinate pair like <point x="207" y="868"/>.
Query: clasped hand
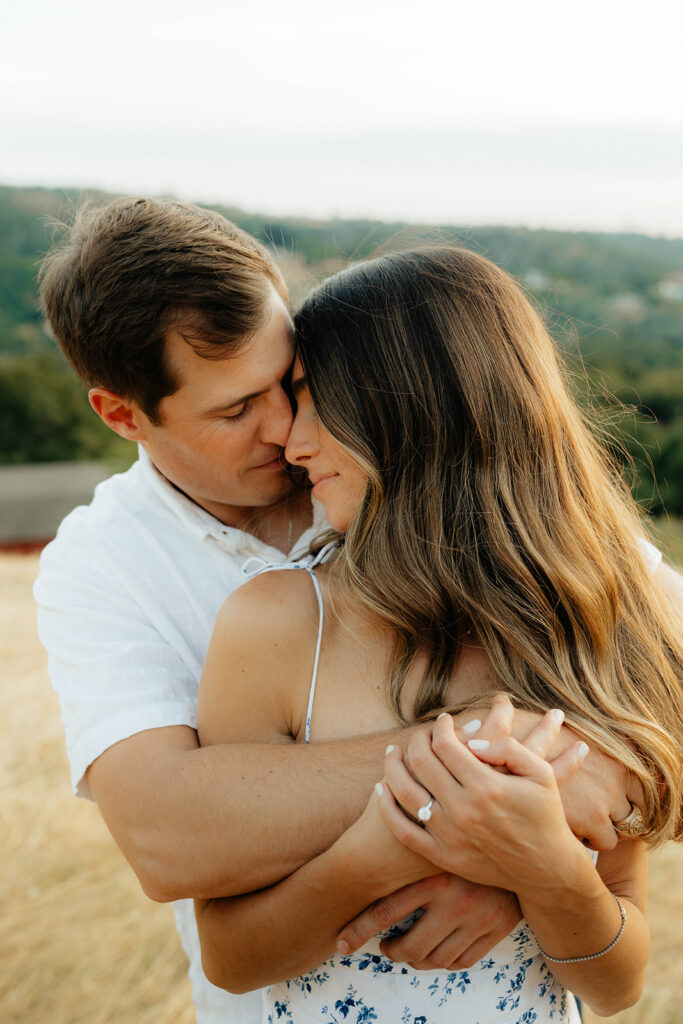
<point x="463" y="920"/>
<point x="498" y="828"/>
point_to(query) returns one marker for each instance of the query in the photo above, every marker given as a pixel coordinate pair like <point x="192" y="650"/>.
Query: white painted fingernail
<point x="473" y="726"/>
<point x="389" y="749"/>
<point x="478" y="744"/>
<point x="582" y="751"/>
<point x="444" y="714"/>
<point x="379" y="788"/>
<point x="558" y="716"/>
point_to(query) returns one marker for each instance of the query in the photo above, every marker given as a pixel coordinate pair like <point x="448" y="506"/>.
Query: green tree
<point x="45" y="415"/>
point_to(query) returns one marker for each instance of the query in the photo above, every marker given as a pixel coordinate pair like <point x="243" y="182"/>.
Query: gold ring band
<point x="631" y="826"/>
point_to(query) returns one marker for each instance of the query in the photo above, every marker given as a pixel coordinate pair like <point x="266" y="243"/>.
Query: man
<point x="177" y="322"/>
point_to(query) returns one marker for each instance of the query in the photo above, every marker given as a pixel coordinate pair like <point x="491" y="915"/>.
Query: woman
<point x="480" y="543"/>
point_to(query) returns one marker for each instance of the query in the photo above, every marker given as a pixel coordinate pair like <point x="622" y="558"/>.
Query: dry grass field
<point x="78" y="940"/>
<point x="79" y="943"/>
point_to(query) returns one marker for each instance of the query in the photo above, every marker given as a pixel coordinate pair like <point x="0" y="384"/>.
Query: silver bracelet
<point x="591" y="956"/>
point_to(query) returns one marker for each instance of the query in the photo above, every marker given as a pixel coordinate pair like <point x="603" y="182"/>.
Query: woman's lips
<point x="320" y="481"/>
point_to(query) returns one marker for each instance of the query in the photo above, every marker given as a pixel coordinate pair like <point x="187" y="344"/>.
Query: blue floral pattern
<point x="511" y="985"/>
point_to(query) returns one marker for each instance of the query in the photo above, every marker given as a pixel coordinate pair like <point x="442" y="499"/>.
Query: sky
<point x="440" y="112"/>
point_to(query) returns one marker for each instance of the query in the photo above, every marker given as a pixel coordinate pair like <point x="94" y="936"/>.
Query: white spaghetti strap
<point x="314" y="678"/>
<point x="309" y="566"/>
<point x="324" y="552"/>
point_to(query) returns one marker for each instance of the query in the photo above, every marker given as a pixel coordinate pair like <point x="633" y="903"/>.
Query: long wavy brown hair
<point x="491" y="508"/>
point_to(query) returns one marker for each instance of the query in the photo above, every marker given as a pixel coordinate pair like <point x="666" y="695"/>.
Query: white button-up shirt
<point x="127" y="596"/>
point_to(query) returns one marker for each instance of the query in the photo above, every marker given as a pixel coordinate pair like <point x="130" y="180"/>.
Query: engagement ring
<point x="425" y="813"/>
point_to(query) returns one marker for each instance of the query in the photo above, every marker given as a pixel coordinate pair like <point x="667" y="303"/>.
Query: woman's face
<point x="338" y="481"/>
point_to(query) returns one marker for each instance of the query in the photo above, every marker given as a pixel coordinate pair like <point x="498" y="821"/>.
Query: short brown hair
<point x="122" y="275"/>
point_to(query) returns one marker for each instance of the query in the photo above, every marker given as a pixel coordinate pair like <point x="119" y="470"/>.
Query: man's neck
<point x="278" y="525"/>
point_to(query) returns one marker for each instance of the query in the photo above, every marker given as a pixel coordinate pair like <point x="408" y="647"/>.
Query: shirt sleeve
<point x="651" y="554"/>
<point x="114" y="673"/>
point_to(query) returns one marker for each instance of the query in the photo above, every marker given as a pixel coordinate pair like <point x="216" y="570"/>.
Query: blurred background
<point x="549" y="139"/>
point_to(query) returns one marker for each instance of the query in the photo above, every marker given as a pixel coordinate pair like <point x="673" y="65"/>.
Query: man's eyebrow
<point x="299" y="385"/>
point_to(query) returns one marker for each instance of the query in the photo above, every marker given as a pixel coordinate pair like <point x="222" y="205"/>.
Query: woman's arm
<point x="254" y="689"/>
<point x="509" y="830"/>
<point x="246" y="694"/>
<point x="581" y="917"/>
<point x="283" y="931"/>
<point x="279" y="931"/>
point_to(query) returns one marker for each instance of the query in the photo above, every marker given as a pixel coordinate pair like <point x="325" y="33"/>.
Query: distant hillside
<point x="617" y="300"/>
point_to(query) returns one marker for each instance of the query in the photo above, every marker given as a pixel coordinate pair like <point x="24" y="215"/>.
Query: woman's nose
<point x="302" y="443"/>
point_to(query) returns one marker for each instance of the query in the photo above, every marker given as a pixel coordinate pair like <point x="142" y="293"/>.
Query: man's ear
<point x="121" y="415"/>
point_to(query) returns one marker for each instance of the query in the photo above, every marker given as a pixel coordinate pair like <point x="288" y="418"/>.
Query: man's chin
<point x="273" y="489"/>
<point x="279" y="486"/>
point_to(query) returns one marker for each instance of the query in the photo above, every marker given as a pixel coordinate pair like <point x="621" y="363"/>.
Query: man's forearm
<point x="232" y="818"/>
<point x="263" y="937"/>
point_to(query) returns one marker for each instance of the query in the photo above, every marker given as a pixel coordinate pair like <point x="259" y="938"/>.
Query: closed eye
<point x="234" y="416"/>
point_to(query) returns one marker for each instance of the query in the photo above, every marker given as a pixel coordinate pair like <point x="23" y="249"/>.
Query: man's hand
<point x="600" y="794"/>
<point x="460" y="924"/>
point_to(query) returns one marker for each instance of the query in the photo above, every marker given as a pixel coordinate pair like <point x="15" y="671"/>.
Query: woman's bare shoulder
<point x="255" y="677"/>
<point x="280" y="603"/>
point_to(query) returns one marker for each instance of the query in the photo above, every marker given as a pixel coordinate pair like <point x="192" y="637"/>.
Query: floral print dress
<point x="512" y="985"/>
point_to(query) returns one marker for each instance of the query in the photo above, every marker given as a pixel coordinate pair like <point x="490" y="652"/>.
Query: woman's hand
<point x="496" y="815"/>
<point x="370" y="839"/>
<point x="371" y="850"/>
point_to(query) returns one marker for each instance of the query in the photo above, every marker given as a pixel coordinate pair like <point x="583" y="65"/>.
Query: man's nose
<point x="278" y="422"/>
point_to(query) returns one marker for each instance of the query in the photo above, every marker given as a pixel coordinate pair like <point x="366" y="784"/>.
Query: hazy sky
<point x="437" y="111"/>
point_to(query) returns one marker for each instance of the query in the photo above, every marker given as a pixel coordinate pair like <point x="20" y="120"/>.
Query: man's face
<point x="222" y="431"/>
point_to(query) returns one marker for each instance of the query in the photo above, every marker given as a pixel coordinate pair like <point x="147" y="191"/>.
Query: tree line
<point x="613" y="302"/>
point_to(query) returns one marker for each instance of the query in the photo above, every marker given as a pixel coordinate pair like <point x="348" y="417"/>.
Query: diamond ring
<point x="425" y="812"/>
